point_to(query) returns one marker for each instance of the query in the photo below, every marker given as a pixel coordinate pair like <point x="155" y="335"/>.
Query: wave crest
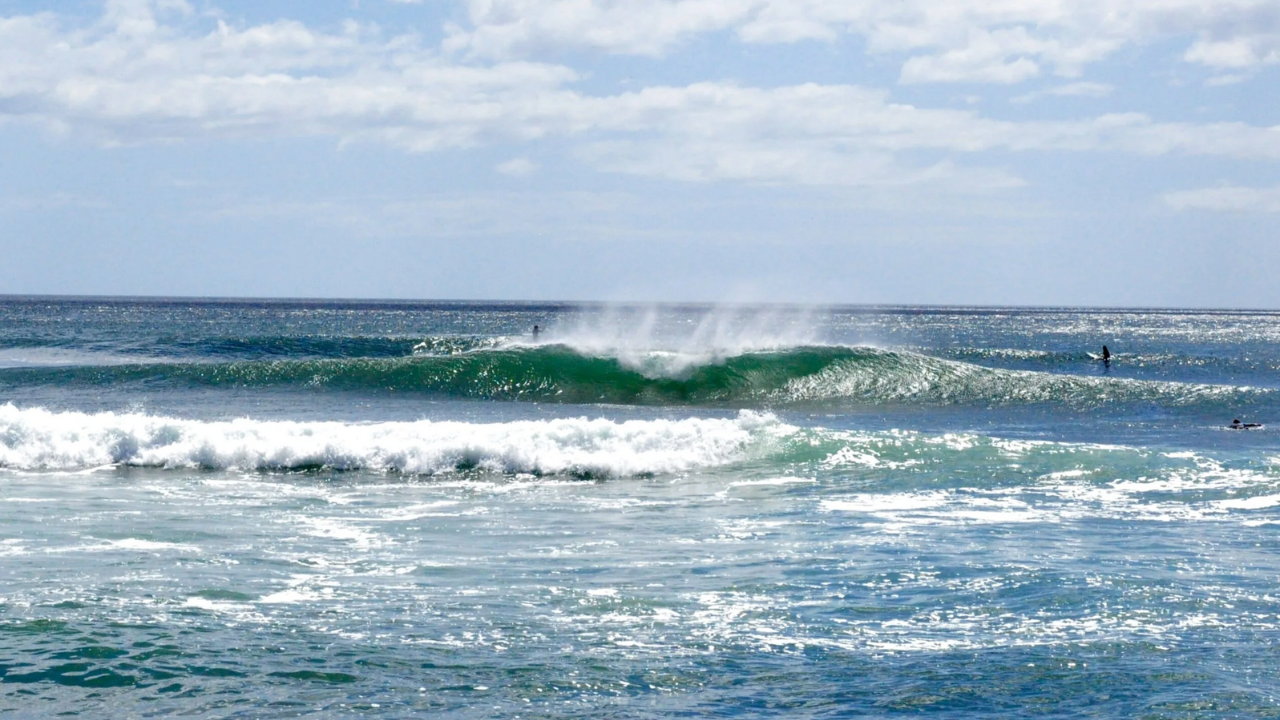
<point x="38" y="439"/>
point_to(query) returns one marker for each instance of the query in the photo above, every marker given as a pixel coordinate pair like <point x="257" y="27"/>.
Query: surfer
<point x="535" y="332"/>
<point x="1237" y="425"/>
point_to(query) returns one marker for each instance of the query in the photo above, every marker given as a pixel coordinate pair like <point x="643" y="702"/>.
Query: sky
<point x="979" y="152"/>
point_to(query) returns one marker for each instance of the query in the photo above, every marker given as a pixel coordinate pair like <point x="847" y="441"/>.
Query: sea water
<point x="282" y="509"/>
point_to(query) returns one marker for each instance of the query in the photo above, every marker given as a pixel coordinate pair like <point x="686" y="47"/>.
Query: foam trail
<point x="37" y="439"/>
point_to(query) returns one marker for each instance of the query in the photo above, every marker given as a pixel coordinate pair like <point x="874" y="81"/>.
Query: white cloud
<point x="1234" y="53"/>
<point x="1224" y="80"/>
<point x="517" y="167"/>
<point x="1231" y="199"/>
<point x="131" y="78"/>
<point x="811" y="163"/>
<point x="517" y="28"/>
<point x="1073" y="89"/>
<point x="1001" y="41"/>
<point x="854" y="118"/>
<point x="967" y="66"/>
<point x="1082" y="89"/>
<point x="147" y="72"/>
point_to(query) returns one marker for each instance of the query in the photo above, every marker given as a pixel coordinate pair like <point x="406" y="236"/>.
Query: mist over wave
<point x="638" y="340"/>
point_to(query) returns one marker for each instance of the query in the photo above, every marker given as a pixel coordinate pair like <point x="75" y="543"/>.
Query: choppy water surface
<point x="391" y="509"/>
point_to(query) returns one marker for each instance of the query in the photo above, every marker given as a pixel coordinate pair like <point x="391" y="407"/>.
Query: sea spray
<point x="644" y="339"/>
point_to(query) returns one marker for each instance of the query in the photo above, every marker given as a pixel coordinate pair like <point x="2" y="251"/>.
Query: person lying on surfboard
<point x="1237" y="425"/>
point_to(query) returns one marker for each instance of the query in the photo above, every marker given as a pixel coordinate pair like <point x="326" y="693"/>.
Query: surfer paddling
<point x="1104" y="356"/>
<point x="1237" y="425"/>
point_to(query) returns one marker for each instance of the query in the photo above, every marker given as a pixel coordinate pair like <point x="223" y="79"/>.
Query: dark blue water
<point x="282" y="509"/>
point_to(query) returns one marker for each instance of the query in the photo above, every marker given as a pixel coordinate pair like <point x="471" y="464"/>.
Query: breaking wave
<point x="811" y="375"/>
<point x="37" y="439"/>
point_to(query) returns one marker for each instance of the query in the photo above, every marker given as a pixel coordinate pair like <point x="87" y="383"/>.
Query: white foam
<point x="1253" y="503"/>
<point x="850" y="456"/>
<point x="37" y="439"/>
<point x="60" y="357"/>
<point x="242" y="611"/>
<point x="774" y="481"/>
<point x="291" y="597"/>
<point x="149" y="545"/>
<point x="419" y="511"/>
<point x="335" y="529"/>
<point x="1064" y="474"/>
<point x="127" y="544"/>
<point x="886" y="503"/>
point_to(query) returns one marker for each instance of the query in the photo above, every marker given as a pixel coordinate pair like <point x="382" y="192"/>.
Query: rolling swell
<point x="909" y="378"/>
<point x="262" y="347"/>
<point x="545" y="373"/>
<point x="806" y="376"/>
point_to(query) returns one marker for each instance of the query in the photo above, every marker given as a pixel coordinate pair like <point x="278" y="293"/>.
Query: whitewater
<point x="392" y="509"/>
<point x="40" y="440"/>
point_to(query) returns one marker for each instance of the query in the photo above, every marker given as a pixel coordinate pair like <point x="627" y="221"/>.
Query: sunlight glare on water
<point x="390" y="510"/>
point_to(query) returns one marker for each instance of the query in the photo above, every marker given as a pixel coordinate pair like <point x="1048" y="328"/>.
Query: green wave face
<point x="805" y="376"/>
<point x="546" y="373"/>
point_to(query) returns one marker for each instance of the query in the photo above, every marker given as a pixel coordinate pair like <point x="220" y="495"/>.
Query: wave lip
<point x="37" y="439"/>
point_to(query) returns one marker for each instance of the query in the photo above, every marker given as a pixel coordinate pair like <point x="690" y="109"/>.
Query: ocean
<point x="269" y="509"/>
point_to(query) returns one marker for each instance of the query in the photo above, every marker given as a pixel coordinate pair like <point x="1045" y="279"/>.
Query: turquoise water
<point x="282" y="509"/>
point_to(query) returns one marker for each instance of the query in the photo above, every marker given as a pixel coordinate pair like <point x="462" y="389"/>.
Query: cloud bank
<point x="158" y="71"/>
<point x="1001" y="41"/>
<point x="1230" y="199"/>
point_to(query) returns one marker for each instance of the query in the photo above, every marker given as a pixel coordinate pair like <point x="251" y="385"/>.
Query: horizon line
<point x="566" y="304"/>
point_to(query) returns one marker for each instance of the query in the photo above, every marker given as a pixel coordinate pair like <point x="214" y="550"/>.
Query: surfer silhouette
<point x="535" y="332"/>
<point x="1237" y="425"/>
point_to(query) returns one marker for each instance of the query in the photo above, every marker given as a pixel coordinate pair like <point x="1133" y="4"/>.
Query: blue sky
<point x="1047" y="152"/>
